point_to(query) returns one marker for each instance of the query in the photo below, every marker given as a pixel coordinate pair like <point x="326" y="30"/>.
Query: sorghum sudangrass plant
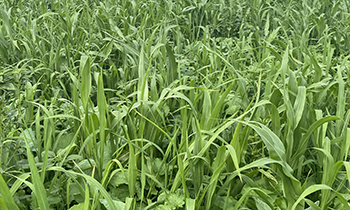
<point x="174" y="104"/>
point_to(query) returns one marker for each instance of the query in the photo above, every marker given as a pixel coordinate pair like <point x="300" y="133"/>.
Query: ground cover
<point x="212" y="104"/>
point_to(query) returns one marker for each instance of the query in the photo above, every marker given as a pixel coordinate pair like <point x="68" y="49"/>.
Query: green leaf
<point x="272" y="142"/>
<point x="172" y="67"/>
<point x="7" y="201"/>
<point x="284" y="65"/>
<point x="39" y="190"/>
<point x="85" y="74"/>
<point x="299" y="105"/>
<point x="340" y="102"/>
<point x="261" y="205"/>
<point x="309" y="191"/>
<point x="102" y="107"/>
<point x="118" y="204"/>
<point x="8" y="86"/>
<point x="310" y="131"/>
<point x="174" y="200"/>
<point x="79" y="206"/>
<point x="87" y="198"/>
<point x="248" y="193"/>
<point x="142" y="92"/>
<point x="217" y="170"/>
<point x="118" y="179"/>
<point x="93" y="183"/>
<point x="190" y="204"/>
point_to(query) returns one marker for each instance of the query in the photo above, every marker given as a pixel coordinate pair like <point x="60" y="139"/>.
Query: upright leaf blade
<point x="85" y="74"/>
<point x="6" y="195"/>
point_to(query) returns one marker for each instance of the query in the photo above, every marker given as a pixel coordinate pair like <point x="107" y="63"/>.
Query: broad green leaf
<point x="174" y="200"/>
<point x="118" y="204"/>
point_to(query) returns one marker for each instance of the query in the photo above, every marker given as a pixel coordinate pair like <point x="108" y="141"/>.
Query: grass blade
<point x="39" y="189"/>
<point x="309" y="191"/>
<point x="7" y="201"/>
<point x="85" y="74"/>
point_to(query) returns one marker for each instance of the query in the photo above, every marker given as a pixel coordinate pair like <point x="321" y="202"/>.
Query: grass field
<point x="177" y="104"/>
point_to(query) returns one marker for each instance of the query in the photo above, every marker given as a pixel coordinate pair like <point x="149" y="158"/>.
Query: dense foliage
<point x="174" y="104"/>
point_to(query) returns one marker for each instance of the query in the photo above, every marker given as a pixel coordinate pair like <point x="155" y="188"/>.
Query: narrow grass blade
<point x="273" y="143"/>
<point x="309" y="191"/>
<point x="102" y="107"/>
<point x="284" y="65"/>
<point x="217" y="170"/>
<point x="318" y="70"/>
<point x="87" y="198"/>
<point x="172" y="67"/>
<point x="299" y="105"/>
<point x="311" y="129"/>
<point x="345" y="148"/>
<point x="132" y="170"/>
<point x="235" y="142"/>
<point x="29" y="93"/>
<point x="275" y="120"/>
<point x="85" y="74"/>
<point x="7" y="201"/>
<point x="142" y="92"/>
<point x="347" y="167"/>
<point x="92" y="182"/>
<point x="246" y="194"/>
<point x="39" y="189"/>
<point x="206" y="110"/>
<point x="340" y="102"/>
